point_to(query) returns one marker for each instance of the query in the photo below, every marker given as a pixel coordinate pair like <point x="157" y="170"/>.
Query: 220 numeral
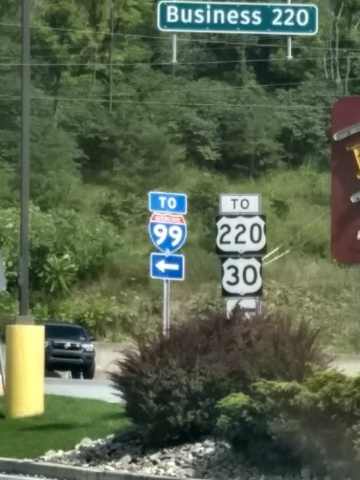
<point x="290" y="17"/>
<point x="255" y="234"/>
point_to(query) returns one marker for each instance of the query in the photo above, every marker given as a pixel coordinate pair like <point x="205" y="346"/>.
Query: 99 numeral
<point x="162" y="232"/>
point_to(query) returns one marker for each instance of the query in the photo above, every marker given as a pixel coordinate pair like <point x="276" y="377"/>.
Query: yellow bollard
<point x="25" y="371"/>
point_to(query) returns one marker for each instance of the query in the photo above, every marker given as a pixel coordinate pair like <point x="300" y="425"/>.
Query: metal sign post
<point x="168" y="232"/>
<point x="289" y="42"/>
<point x="2" y="367"/>
<point x="166" y="308"/>
<point x="174" y="52"/>
<point x="3" y="286"/>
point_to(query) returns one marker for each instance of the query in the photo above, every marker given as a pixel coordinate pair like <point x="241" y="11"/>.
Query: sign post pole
<point x="168" y="232"/>
<point x="174" y="53"/>
<point x="166" y="308"/>
<point x="2" y="368"/>
<point x="3" y="286"/>
<point x="289" y="42"/>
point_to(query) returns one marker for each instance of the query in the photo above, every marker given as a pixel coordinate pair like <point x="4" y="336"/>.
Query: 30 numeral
<point x="249" y="276"/>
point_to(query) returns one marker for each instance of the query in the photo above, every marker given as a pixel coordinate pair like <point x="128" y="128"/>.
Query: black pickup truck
<point x="69" y="347"/>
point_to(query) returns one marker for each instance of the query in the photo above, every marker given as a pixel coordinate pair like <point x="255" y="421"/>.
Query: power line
<point x="129" y="35"/>
<point x="226" y="87"/>
<point x="163" y="64"/>
<point x="180" y="39"/>
<point x="179" y="104"/>
<point x="229" y="45"/>
<point x="287" y="242"/>
<point x="222" y="87"/>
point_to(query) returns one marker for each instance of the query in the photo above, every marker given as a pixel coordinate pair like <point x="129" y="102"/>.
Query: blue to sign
<point x="161" y="202"/>
<point x="167" y="267"/>
<point x="167" y="232"/>
<point x="231" y="17"/>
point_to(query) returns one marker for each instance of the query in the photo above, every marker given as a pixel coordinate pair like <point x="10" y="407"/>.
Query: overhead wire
<point x="164" y="63"/>
<point x="161" y="37"/>
<point x="165" y="41"/>
<point x="288" y="241"/>
<point x="315" y="81"/>
<point x="171" y="104"/>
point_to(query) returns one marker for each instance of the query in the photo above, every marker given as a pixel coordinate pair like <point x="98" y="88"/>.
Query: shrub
<point x="8" y="311"/>
<point x="172" y="385"/>
<point x="316" y="423"/>
<point x="66" y="247"/>
<point x="101" y="315"/>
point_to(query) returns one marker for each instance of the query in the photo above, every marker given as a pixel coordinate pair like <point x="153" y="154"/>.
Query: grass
<point x="306" y="282"/>
<point x="65" y="423"/>
<point x="321" y="291"/>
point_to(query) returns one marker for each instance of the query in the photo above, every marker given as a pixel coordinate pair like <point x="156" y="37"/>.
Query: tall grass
<point x="305" y="281"/>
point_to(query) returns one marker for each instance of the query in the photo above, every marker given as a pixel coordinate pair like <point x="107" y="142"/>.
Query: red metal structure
<point x="345" y="180"/>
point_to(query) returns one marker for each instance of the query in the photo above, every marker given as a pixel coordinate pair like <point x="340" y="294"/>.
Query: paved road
<point x="96" y="389"/>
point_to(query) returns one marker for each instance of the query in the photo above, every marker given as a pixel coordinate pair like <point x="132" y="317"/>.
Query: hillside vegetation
<point x="112" y="119"/>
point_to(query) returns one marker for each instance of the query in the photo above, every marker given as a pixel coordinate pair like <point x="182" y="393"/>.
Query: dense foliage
<point x="316" y="423"/>
<point x="171" y="386"/>
<point x="111" y="119"/>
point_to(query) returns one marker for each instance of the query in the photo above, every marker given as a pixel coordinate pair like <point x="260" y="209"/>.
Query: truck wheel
<point x="76" y="374"/>
<point x="89" y="373"/>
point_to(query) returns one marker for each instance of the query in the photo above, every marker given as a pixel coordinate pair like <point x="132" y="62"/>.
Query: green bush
<point x="101" y="315"/>
<point x="172" y="385"/>
<point x="8" y="311"/>
<point x="65" y="247"/>
<point x="316" y="423"/>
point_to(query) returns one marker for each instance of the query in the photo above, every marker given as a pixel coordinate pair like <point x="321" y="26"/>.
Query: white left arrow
<point x="162" y="266"/>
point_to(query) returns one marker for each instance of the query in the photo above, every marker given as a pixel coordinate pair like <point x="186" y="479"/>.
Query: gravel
<point x="209" y="459"/>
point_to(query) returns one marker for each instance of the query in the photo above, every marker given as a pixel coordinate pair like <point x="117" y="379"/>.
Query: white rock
<point x="125" y="460"/>
<point x="86" y="442"/>
<point x="49" y="455"/>
<point x="208" y="460"/>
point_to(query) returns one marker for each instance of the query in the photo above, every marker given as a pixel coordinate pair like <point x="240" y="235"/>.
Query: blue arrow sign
<point x="161" y="202"/>
<point x="167" y="267"/>
<point x="167" y="232"/>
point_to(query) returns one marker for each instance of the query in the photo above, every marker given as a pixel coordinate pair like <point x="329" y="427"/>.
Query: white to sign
<point x="241" y="277"/>
<point x="240" y="234"/>
<point x="232" y="204"/>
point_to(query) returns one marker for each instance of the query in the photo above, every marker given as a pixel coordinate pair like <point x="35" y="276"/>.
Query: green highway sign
<point x="231" y="17"/>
